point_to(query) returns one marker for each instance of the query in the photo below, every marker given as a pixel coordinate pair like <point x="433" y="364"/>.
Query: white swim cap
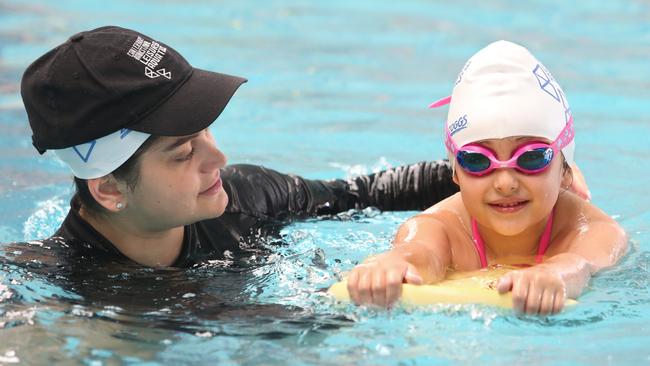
<point x="504" y="91"/>
<point x="101" y="156"/>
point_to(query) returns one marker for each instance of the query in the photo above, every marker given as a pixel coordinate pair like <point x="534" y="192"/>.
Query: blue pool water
<point x="335" y="88"/>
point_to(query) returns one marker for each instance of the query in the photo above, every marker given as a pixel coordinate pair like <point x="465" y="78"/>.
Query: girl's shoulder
<point x="574" y="216"/>
<point x="451" y="215"/>
<point x="573" y="211"/>
<point x="582" y="228"/>
<point x="450" y="211"/>
<point x="453" y="203"/>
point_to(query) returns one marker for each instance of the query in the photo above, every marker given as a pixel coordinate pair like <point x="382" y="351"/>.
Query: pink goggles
<point x="530" y="158"/>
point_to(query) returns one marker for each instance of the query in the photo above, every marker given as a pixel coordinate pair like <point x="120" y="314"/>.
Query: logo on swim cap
<point x="508" y="93"/>
<point x="458" y="125"/>
<point x="549" y="85"/>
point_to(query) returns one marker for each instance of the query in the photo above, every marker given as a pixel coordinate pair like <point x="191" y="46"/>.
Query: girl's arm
<point x="596" y="243"/>
<point x="420" y="254"/>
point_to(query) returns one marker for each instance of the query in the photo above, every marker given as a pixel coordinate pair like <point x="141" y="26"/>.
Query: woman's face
<point x="179" y="182"/>
<point x="506" y="200"/>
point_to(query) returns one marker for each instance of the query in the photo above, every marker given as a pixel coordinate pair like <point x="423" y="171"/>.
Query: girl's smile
<point x="508" y="206"/>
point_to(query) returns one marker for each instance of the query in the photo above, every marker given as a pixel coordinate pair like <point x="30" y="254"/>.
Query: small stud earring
<point x="119" y="205"/>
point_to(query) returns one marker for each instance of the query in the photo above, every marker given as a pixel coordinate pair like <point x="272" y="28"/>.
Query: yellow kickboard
<point x="478" y="287"/>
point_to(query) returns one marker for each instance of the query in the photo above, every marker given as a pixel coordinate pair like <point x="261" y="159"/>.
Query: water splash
<point x="46" y="219"/>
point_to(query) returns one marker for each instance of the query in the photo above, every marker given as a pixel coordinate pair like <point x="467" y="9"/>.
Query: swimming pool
<point x="335" y="89"/>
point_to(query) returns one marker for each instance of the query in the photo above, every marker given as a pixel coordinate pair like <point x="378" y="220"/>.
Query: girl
<point x="510" y="138"/>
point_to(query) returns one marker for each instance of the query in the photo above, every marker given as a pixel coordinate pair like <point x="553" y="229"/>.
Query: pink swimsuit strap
<point x="544" y="241"/>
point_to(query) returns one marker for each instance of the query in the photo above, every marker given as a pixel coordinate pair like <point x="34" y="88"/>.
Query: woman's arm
<point x="267" y="194"/>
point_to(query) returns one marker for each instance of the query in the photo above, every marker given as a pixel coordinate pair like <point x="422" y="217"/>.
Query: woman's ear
<point x="108" y="192"/>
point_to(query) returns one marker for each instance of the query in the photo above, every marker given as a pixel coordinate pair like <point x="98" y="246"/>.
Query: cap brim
<point x="194" y="106"/>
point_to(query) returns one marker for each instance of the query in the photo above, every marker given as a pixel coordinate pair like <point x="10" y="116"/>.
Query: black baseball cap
<point x="112" y="78"/>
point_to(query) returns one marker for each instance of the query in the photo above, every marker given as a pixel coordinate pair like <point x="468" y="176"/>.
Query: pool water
<point x="335" y="89"/>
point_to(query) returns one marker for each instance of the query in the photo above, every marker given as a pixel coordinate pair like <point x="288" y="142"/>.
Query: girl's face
<point x="506" y="200"/>
<point x="179" y="183"/>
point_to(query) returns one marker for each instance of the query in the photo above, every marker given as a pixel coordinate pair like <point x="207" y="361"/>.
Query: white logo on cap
<point x="460" y="74"/>
<point x="85" y="155"/>
<point x="101" y="156"/>
<point x="151" y="74"/>
<point x="150" y="53"/>
<point x="458" y="125"/>
<point x="548" y="84"/>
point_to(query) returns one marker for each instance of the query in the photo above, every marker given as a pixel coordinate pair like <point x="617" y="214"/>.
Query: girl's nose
<point x="505" y="180"/>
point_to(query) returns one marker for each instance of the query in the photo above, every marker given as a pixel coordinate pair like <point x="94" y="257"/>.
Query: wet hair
<point x="128" y="172"/>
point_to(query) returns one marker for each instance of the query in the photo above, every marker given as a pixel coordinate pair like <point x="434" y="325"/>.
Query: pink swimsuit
<point x="544" y="241"/>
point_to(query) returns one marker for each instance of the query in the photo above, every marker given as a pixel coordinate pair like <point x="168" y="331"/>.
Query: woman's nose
<point x="214" y="157"/>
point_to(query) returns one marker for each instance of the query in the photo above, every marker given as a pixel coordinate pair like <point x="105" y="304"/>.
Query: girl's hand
<point x="378" y="281"/>
<point x="535" y="290"/>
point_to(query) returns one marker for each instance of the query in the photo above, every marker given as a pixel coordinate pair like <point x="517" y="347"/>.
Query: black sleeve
<point x="404" y="188"/>
<point x="264" y="194"/>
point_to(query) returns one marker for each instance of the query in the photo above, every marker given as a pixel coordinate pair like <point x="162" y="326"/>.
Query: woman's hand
<point x="378" y="281"/>
<point x="535" y="290"/>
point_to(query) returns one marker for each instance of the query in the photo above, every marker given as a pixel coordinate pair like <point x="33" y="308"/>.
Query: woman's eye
<point x="187" y="156"/>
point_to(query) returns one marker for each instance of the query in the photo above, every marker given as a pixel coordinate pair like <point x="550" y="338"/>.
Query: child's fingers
<point x="412" y="276"/>
<point x="353" y="287"/>
<point x="505" y="283"/>
<point x="519" y="293"/>
<point x="364" y="288"/>
<point x="371" y="284"/>
<point x="393" y="287"/>
<point x="558" y="301"/>
<point x="378" y="289"/>
<point x="546" y="304"/>
<point x="533" y="298"/>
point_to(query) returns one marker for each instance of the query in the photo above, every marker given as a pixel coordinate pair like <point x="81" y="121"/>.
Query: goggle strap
<point x="440" y="102"/>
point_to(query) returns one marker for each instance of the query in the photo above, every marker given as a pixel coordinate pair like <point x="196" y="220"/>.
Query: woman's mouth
<point x="508" y="206"/>
<point x="214" y="188"/>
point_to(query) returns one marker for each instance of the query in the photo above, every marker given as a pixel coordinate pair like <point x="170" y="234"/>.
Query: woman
<point x="130" y="117"/>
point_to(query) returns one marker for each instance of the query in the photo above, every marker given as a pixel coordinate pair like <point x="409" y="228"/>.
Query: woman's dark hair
<point x="128" y="172"/>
